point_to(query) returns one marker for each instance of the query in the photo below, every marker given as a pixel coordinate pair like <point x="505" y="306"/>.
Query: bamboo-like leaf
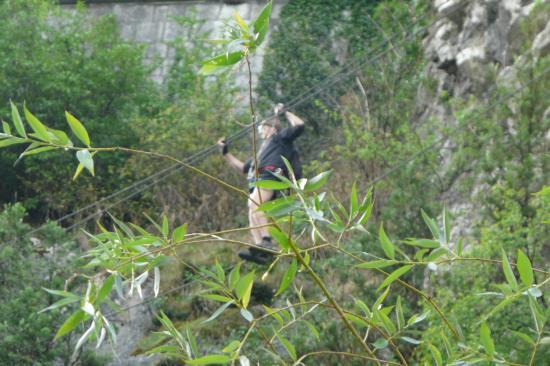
<point x="156" y="284"/>
<point x="78" y="170"/>
<point x="219" y="311"/>
<point x="243" y="288"/>
<point x="431" y="225"/>
<point x="524" y="268"/>
<point x="19" y="127"/>
<point x="86" y="159"/>
<point x="78" y="128"/>
<point x="508" y="273"/>
<point x="288" y="276"/>
<point x="318" y="181"/>
<point x="165" y="228"/>
<point x="377" y="264"/>
<point x="261" y="24"/>
<point x="524" y="337"/>
<point x="60" y="303"/>
<point x="70" y="323"/>
<point x="436" y="355"/>
<point x="234" y="276"/>
<point x="288" y="346"/>
<point x="106" y="289"/>
<point x="11" y="141"/>
<point x="221" y="61"/>
<point x="446" y="225"/>
<point x="395" y="275"/>
<point x="179" y="233"/>
<point x="6" y="128"/>
<point x="280" y="238"/>
<point x="37" y="126"/>
<point x="486" y="340"/>
<point x="387" y="245"/>
<point x="423" y="243"/>
<point x="247" y="315"/>
<point x="210" y="360"/>
<point x="272" y="184"/>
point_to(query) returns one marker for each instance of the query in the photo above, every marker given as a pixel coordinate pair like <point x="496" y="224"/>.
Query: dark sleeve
<point x="246" y="166"/>
<point x="291" y="133"/>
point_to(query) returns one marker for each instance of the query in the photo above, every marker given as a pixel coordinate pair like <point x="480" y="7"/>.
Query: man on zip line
<point x="277" y="142"/>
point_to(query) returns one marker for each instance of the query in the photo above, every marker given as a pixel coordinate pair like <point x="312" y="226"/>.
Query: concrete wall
<point x="152" y="24"/>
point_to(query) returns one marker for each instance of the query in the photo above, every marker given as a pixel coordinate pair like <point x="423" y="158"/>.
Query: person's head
<point x="269" y="127"/>
<point x="272" y="125"/>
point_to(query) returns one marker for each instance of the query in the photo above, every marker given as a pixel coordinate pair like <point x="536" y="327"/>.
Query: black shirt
<point x="269" y="155"/>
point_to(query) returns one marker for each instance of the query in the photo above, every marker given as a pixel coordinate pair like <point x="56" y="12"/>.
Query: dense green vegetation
<point x="367" y="270"/>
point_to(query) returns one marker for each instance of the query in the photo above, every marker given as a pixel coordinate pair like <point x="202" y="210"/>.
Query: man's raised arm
<point x="230" y="158"/>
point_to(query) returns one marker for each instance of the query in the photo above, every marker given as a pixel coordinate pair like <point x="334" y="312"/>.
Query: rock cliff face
<point x="473" y="38"/>
<point x="472" y="45"/>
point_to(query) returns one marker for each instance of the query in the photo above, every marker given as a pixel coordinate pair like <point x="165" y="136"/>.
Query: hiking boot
<point x="257" y="255"/>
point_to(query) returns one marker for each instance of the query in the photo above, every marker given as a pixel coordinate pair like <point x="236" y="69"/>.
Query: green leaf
<point x="313" y="330"/>
<point x="78" y="170"/>
<point x="86" y="159"/>
<point x="431" y="225"/>
<point x="210" y="360"/>
<point x="217" y="297"/>
<point x="459" y="247"/>
<point x="423" y="243"/>
<point x="318" y="181"/>
<point x="486" y="340"/>
<point x="36" y="151"/>
<point x="288" y="346"/>
<point x="17" y="121"/>
<point x="11" y="141"/>
<point x="179" y="233"/>
<point x="288" y="276"/>
<point x="524" y="337"/>
<point x="280" y="237"/>
<point x="60" y="303"/>
<point x="387" y="245"/>
<point x="70" y="324"/>
<point x="525" y="269"/>
<point x="6" y="128"/>
<point x="400" y="317"/>
<point x="218" y="311"/>
<point x="165" y="228"/>
<point x="61" y="293"/>
<point x="215" y="63"/>
<point x="508" y="273"/>
<point x="377" y="264"/>
<point x="410" y="340"/>
<point x="354" y="201"/>
<point x="78" y="129"/>
<point x="446" y="225"/>
<point x="240" y="22"/>
<point x="232" y="347"/>
<point x="380" y="343"/>
<point x="436" y="355"/>
<point x="247" y="315"/>
<point x="272" y="184"/>
<point x="261" y="24"/>
<point x="105" y="289"/>
<point x="234" y="276"/>
<point x="395" y="275"/>
<point x="280" y="206"/>
<point x="243" y="288"/>
<point x="37" y="126"/>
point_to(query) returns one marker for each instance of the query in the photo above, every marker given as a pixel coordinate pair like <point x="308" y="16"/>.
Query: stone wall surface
<point x="152" y="23"/>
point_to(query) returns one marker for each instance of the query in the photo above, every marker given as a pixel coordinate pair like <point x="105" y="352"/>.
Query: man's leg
<point x="259" y="235"/>
<point x="257" y="217"/>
